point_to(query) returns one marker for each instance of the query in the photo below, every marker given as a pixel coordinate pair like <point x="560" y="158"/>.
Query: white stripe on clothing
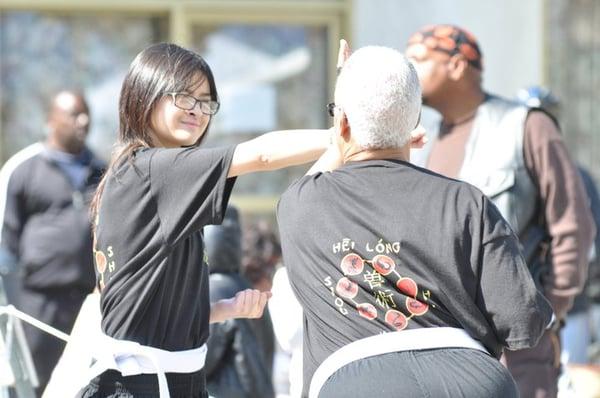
<point x="6" y="172"/>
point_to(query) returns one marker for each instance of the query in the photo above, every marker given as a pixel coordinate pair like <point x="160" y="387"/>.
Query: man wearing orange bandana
<point x="516" y="156"/>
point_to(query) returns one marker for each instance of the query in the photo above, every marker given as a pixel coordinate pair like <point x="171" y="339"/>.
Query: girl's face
<point x="173" y="124"/>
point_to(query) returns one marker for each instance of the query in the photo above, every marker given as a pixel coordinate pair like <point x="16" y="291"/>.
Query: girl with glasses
<point x="162" y="187"/>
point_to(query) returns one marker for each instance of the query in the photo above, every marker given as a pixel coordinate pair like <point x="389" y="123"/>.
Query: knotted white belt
<point x="405" y="340"/>
<point x="128" y="357"/>
<point x="131" y="358"/>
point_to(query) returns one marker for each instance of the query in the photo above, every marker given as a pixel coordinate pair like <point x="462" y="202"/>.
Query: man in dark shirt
<point x="537" y="174"/>
<point x="411" y="283"/>
<point x="45" y="236"/>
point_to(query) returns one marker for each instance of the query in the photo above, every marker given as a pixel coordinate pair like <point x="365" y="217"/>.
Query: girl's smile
<point x="173" y="125"/>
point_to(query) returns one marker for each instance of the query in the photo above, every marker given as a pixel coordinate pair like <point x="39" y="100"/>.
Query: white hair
<point x="378" y="89"/>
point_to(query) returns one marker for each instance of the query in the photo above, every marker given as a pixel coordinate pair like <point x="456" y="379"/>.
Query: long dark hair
<point x="157" y="70"/>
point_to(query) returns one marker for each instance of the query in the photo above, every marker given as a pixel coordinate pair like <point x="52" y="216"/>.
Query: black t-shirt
<point x="382" y="245"/>
<point x="149" y="251"/>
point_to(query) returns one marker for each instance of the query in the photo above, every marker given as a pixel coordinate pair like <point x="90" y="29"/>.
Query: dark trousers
<point x="536" y="370"/>
<point x="57" y="308"/>
<point x="436" y="373"/>
<point x="111" y="384"/>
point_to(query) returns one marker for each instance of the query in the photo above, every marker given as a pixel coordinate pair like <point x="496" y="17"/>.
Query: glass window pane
<point x="268" y="77"/>
<point x="41" y="53"/>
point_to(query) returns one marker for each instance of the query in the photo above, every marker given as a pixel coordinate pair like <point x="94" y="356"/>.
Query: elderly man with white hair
<point x="411" y="283"/>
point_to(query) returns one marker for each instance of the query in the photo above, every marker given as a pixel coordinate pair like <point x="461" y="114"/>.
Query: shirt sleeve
<point x="12" y="218"/>
<point x="567" y="213"/>
<point x="191" y="188"/>
<point x="514" y="307"/>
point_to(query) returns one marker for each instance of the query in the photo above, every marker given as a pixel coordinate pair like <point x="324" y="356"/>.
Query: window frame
<point x="181" y="15"/>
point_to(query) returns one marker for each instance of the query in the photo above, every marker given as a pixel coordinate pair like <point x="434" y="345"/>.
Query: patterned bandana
<point x="450" y="40"/>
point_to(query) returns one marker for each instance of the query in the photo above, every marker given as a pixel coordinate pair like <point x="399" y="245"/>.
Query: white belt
<point x="131" y="358"/>
<point x="405" y="340"/>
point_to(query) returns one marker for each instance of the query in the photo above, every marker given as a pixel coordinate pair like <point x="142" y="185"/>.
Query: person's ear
<point x="457" y="67"/>
<point x="342" y="126"/>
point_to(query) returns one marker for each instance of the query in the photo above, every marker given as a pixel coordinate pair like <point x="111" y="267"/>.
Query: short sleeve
<point x="513" y="306"/>
<point x="294" y="199"/>
<point x="191" y="188"/>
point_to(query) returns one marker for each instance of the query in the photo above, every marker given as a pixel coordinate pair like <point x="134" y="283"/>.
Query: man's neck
<point x="461" y="108"/>
<point x="359" y="154"/>
<point x="56" y="146"/>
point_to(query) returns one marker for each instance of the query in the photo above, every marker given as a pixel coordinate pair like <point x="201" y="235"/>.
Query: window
<point x="55" y="52"/>
<point x="269" y="77"/>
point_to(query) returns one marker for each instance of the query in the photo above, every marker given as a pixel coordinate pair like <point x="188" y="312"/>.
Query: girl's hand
<point x="249" y="303"/>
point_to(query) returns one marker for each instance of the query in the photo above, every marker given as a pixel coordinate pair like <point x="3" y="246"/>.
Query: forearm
<point x="220" y="311"/>
<point x="569" y="254"/>
<point x="247" y="303"/>
<point x="570" y="225"/>
<point x="279" y="149"/>
<point x="329" y="160"/>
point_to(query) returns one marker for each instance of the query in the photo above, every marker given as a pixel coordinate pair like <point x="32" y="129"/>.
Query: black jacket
<point x="46" y="228"/>
<point x="237" y="362"/>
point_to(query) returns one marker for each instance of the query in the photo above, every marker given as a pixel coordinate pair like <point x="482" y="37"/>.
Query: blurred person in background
<point x="45" y="235"/>
<point x="286" y="314"/>
<point x="517" y="157"/>
<point x="580" y="328"/>
<point x="236" y="366"/>
<point x="261" y="255"/>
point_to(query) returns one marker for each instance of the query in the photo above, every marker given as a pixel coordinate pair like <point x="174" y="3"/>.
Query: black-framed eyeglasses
<point x="331" y="109"/>
<point x="187" y="103"/>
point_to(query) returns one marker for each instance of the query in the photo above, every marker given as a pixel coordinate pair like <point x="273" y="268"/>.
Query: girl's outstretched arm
<point x="278" y="149"/>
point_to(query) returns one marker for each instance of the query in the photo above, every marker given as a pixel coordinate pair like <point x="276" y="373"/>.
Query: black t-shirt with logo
<point x="149" y="251"/>
<point x="382" y="245"/>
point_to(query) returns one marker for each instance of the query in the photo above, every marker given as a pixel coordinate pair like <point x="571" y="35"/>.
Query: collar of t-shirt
<point x="75" y="167"/>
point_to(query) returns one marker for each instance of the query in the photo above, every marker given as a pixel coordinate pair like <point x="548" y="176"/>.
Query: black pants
<point x="435" y="373"/>
<point x="57" y="308"/>
<point x="111" y="384"/>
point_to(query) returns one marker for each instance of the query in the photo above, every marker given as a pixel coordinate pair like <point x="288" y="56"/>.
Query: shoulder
<point x="24" y="156"/>
<point x="198" y="156"/>
<point x="501" y="107"/>
<point x="300" y="197"/>
<point x="435" y="184"/>
<point x="305" y="187"/>
<point x="539" y="119"/>
<point x="20" y="162"/>
<point x="541" y="129"/>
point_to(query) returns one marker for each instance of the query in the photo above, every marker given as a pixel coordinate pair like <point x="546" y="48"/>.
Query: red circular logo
<point x="346" y="288"/>
<point x="100" y="262"/>
<point x="367" y="310"/>
<point x="416" y="307"/>
<point x="407" y="286"/>
<point x="396" y="319"/>
<point x="383" y="264"/>
<point x="352" y="264"/>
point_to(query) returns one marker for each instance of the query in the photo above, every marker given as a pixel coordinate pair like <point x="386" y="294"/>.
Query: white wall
<point x="509" y="33"/>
